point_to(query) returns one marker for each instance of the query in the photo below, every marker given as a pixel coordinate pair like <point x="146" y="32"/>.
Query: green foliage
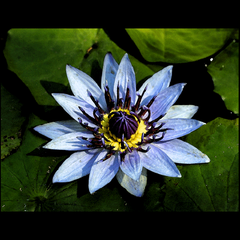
<point x="179" y="45"/>
<point x="213" y="186"/>
<point x="26" y="182"/>
<point x="38" y="58"/>
<point x="12" y="120"/>
<point x="224" y="70"/>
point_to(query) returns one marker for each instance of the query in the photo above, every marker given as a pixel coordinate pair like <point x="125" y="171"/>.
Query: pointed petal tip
<point x="54" y="94"/>
<point x="36" y="128"/>
<point x="45" y="146"/>
<point x="109" y="53"/>
<point x="169" y="67"/>
<point x="138" y="194"/>
<point x="54" y="180"/>
<point x="207" y="159"/>
<point x="201" y="123"/>
<point x="68" y="67"/>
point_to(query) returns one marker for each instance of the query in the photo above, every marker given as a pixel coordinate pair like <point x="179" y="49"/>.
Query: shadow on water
<point x="199" y="91"/>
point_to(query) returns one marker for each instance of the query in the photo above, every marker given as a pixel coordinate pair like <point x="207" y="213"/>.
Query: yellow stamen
<point x="115" y="142"/>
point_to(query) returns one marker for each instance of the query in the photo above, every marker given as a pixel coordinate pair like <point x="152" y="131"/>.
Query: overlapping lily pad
<point x="12" y="120"/>
<point x="39" y="57"/>
<point x="179" y="45"/>
<point x="26" y="182"/>
<point x="213" y="186"/>
<point x="224" y="70"/>
<point x="26" y="179"/>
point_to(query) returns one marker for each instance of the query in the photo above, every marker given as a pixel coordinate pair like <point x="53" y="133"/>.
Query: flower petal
<point x="165" y="100"/>
<point x="136" y="188"/>
<point x="109" y="73"/>
<point x="181" y="111"/>
<point x="182" y="152"/>
<point x="102" y="172"/>
<point x="126" y="79"/>
<point x="76" y="166"/>
<point x="155" y="84"/>
<point x="69" y="142"/>
<point x="178" y="127"/>
<point x="132" y="165"/>
<point x="71" y="105"/>
<point x="157" y="161"/>
<point x="56" y="129"/>
<point x="80" y="82"/>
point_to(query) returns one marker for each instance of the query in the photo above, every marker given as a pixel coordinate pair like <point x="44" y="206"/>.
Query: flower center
<point x="125" y="127"/>
<point x="122" y="123"/>
<point x="122" y="129"/>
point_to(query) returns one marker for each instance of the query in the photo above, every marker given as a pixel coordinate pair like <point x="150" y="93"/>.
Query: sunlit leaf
<point x="179" y="45"/>
<point x="39" y="58"/>
<point x="213" y="186"/>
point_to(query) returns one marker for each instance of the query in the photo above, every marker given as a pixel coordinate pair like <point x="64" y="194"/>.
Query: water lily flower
<point x="118" y="131"/>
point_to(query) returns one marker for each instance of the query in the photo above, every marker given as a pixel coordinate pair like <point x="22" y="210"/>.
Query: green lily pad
<point x="179" y="45"/>
<point x="26" y="182"/>
<point x="93" y="62"/>
<point x="12" y="120"/>
<point x="224" y="70"/>
<point x="39" y="58"/>
<point x="213" y="186"/>
<point x="26" y="179"/>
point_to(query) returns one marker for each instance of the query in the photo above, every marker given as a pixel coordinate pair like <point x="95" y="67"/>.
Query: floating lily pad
<point x="26" y="182"/>
<point x="26" y="179"/>
<point x="179" y="45"/>
<point x="224" y="70"/>
<point x="213" y="186"/>
<point x="12" y="120"/>
<point x="39" y="58"/>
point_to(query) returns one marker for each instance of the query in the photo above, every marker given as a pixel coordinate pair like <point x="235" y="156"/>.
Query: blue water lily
<point x="118" y="131"/>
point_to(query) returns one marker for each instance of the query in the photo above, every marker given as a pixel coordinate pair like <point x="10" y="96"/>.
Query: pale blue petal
<point x="165" y="100"/>
<point x="157" y="161"/>
<point x="155" y="84"/>
<point x="76" y="166"/>
<point x="109" y="73"/>
<point x="80" y="82"/>
<point x="136" y="188"/>
<point x="182" y="152"/>
<point x="70" y="104"/>
<point x="69" y="142"/>
<point x="125" y="78"/>
<point x="181" y="111"/>
<point x="56" y="129"/>
<point x="132" y="165"/>
<point x="102" y="172"/>
<point x="178" y="127"/>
